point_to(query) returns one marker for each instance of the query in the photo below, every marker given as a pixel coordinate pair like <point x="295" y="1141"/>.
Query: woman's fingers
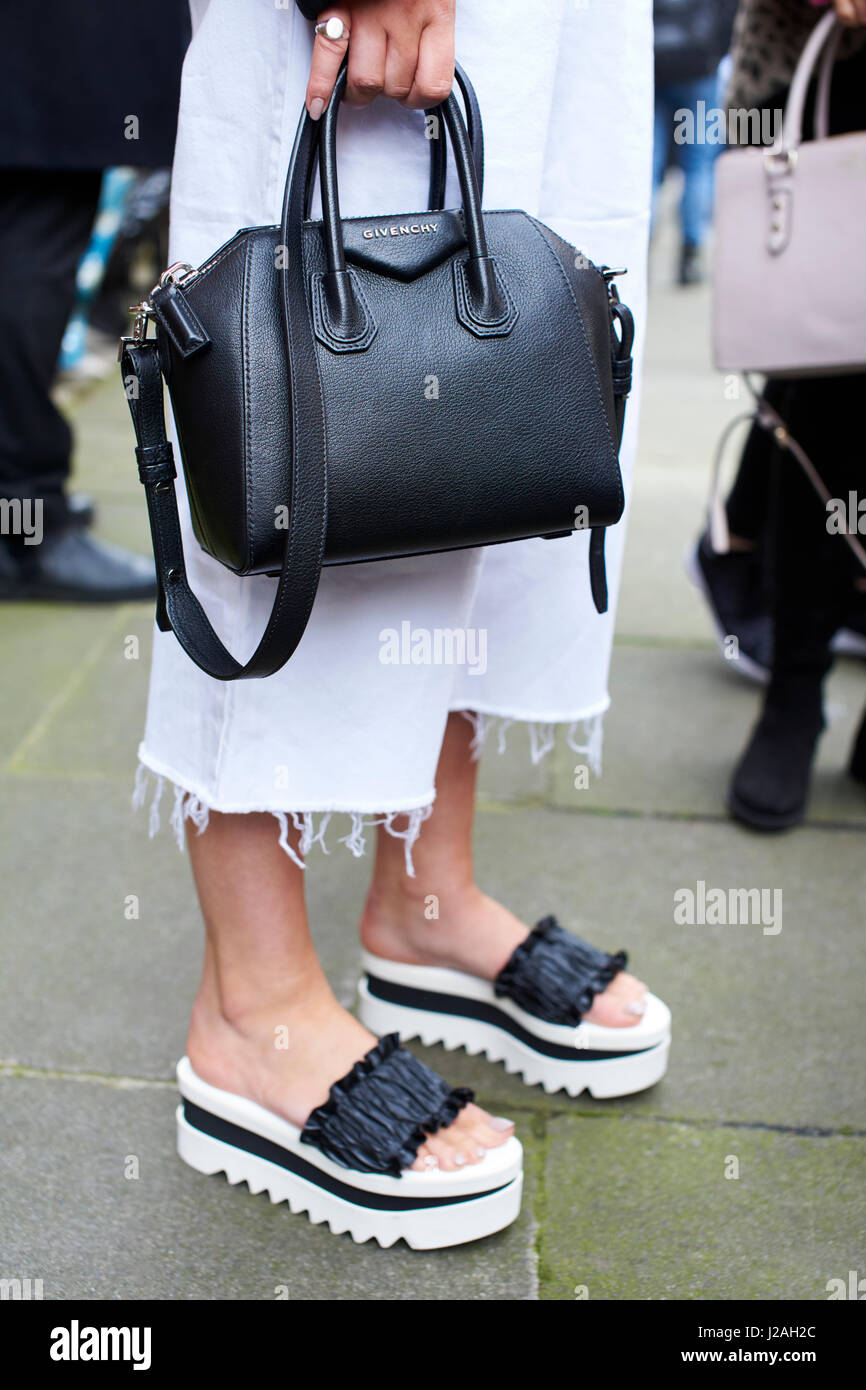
<point x="852" y="12"/>
<point x="328" y="54"/>
<point x="434" y="70"/>
<point x="365" y="78"/>
<point x="401" y="50"/>
<point x="400" y="63"/>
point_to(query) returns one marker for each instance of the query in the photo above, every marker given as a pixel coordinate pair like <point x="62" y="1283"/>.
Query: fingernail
<point x="460" y="1159"/>
<point x="636" y="1007"/>
<point x="498" y="1122"/>
<point x="317" y="106"/>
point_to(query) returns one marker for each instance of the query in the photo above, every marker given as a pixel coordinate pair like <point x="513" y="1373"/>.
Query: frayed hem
<point x="190" y="807"/>
<point x="583" y="736"/>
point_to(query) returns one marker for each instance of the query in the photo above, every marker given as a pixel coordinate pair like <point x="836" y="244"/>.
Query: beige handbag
<point x="790" y="274"/>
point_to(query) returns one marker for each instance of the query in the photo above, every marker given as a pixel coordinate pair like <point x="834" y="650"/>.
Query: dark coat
<point x="74" y="71"/>
<point x="691" y="37"/>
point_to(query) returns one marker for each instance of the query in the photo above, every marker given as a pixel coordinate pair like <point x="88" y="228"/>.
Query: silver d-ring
<point x="332" y="28"/>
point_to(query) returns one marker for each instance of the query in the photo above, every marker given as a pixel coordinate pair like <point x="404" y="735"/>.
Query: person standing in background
<point x="86" y="87"/>
<point x="691" y="38"/>
<point x="788" y="587"/>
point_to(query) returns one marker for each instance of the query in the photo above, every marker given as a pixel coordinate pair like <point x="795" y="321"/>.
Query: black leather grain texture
<point x="367" y="388"/>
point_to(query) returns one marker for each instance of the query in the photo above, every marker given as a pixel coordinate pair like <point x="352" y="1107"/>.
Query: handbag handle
<point x="348" y="324"/>
<point x="825" y="82"/>
<point x="792" y="126"/>
<point x="438" y="158"/>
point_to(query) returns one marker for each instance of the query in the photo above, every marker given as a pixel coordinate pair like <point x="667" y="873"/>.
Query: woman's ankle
<point x="409" y="921"/>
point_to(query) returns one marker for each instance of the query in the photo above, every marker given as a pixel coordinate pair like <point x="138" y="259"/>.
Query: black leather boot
<point x="691" y="269"/>
<point x="770" y="787"/>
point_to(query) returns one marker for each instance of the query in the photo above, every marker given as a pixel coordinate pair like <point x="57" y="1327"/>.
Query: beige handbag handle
<point x="792" y="126"/>
<point x="825" y="82"/>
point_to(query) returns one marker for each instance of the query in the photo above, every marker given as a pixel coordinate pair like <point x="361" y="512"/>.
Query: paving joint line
<point x="537" y="1118"/>
<point x="70" y="688"/>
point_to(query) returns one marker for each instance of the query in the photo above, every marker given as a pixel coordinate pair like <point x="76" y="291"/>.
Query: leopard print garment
<point x="768" y="39"/>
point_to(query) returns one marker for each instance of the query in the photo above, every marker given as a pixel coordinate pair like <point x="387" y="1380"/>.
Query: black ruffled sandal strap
<point x="378" y="1116"/>
<point x="555" y="975"/>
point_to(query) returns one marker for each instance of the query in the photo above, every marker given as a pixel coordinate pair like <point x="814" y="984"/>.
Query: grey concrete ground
<point x="630" y="1199"/>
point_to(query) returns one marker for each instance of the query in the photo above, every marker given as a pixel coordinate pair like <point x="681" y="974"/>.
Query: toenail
<point x="636" y="1007"/>
<point x="479" y="1152"/>
<point x="499" y="1123"/>
<point x="431" y="1161"/>
<point x="460" y="1159"/>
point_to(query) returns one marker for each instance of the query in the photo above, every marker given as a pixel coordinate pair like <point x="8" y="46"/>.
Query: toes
<point x="456" y="1147"/>
<point x="480" y="1131"/>
<point x="496" y="1126"/>
<point x="616" y="1010"/>
<point x="425" y="1160"/>
<point x="444" y="1152"/>
<point x="486" y="1131"/>
<point x="626" y="985"/>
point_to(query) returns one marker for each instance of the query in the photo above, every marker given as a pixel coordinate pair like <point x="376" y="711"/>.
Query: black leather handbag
<point x="366" y="388"/>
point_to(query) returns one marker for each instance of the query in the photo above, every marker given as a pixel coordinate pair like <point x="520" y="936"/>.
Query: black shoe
<point x="770" y="787"/>
<point x="71" y="566"/>
<point x="80" y="508"/>
<point x="850" y="640"/>
<point x="857" y="764"/>
<point x="691" y="271"/>
<point x="732" y="585"/>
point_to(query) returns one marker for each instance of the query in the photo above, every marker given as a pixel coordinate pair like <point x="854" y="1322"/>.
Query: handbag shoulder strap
<point x="178" y="608"/>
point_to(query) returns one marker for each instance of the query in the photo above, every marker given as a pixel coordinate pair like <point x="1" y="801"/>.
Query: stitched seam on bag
<point x="166" y="327"/>
<point x="322" y="532"/>
<point x="245" y="319"/>
<point x="550" y="250"/>
<point x="323" y="325"/>
<point x="502" y="327"/>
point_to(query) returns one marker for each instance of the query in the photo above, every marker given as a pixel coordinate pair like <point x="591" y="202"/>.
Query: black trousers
<point x="45" y="224"/>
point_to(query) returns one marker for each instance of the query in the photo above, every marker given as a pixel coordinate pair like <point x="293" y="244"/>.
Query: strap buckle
<point x="143" y="313"/>
<point x="180" y="273"/>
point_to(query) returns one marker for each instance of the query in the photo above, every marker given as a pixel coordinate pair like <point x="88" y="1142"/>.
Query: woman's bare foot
<point x="286" y="1055"/>
<point x="473" y="933"/>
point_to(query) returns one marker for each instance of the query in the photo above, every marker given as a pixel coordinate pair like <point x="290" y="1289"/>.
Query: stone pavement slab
<point x="677" y="726"/>
<point x="73" y="1218"/>
<point x="641" y="1210"/>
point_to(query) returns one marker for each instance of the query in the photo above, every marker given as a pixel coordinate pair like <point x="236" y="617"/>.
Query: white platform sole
<point x="428" y="1210"/>
<point x="606" y="1062"/>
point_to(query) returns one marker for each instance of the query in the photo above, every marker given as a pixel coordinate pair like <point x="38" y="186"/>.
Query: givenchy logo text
<point x="404" y="229"/>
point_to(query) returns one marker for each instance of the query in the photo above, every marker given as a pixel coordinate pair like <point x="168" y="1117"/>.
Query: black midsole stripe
<point x="434" y="1002"/>
<point x="257" y="1144"/>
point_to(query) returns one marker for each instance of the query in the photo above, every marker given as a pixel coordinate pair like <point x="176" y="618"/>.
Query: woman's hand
<point x="851" y="12"/>
<point x="399" y="48"/>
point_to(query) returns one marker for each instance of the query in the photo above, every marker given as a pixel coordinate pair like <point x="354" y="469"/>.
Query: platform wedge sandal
<point x="530" y="1017"/>
<point x="350" y="1164"/>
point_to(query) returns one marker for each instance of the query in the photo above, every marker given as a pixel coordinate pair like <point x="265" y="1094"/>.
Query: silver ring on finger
<point x="332" y="28"/>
